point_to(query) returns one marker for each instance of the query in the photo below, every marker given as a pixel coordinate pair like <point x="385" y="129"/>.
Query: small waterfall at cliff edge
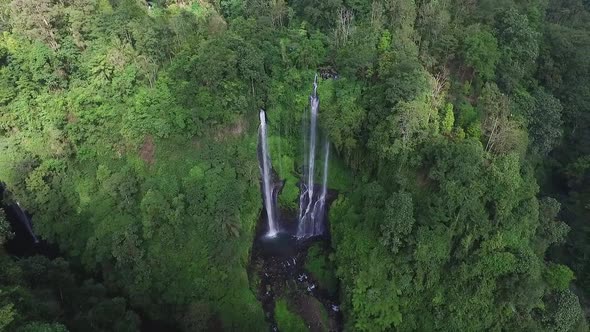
<point x="265" y="170"/>
<point x="311" y="203"/>
<point x="26" y="221"/>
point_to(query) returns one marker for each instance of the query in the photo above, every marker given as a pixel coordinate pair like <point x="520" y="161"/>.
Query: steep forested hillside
<point x="460" y="132"/>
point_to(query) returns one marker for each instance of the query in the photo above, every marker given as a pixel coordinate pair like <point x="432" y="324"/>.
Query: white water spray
<point x="315" y="102"/>
<point x="26" y="221"/>
<point x="325" y="175"/>
<point x="311" y="207"/>
<point x="265" y="170"/>
<point x="317" y="214"/>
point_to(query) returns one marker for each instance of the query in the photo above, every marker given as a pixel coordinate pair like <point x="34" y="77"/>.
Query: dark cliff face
<point x="24" y="242"/>
<point x="21" y="243"/>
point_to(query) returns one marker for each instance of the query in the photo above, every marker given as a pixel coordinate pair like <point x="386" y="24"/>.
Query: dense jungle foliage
<point x="461" y="131"/>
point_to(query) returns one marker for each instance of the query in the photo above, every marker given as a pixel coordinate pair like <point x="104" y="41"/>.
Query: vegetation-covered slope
<point x="129" y="129"/>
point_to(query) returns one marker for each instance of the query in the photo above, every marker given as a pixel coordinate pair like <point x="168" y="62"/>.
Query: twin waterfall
<point x="312" y="197"/>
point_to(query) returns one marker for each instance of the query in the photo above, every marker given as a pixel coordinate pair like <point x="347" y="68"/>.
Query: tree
<point x="558" y="277"/>
<point x="550" y="231"/>
<point x="546" y="125"/>
<point x="519" y="47"/>
<point x="342" y="116"/>
<point x="480" y="50"/>
<point x="344" y="26"/>
<point x="399" y="220"/>
<point x="402" y="130"/>
<point x="320" y="13"/>
<point x="5" y="229"/>
<point x="503" y="134"/>
<point x="36" y="20"/>
<point x="6" y="315"/>
<point x="448" y="120"/>
<point x="438" y="36"/>
<point x="564" y="313"/>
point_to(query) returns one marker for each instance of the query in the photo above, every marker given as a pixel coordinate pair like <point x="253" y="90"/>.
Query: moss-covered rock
<point x="321" y="267"/>
<point x="288" y="321"/>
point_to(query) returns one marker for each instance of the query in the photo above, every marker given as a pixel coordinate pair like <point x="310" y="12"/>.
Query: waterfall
<point x="312" y="196"/>
<point x="315" y="103"/>
<point x="311" y="206"/>
<point x="319" y="208"/>
<point x="306" y="198"/>
<point x="265" y="169"/>
<point x="325" y="174"/>
<point x="26" y="221"/>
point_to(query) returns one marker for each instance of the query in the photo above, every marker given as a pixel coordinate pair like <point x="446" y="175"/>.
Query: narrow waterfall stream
<point x="318" y="213"/>
<point x="265" y="169"/>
